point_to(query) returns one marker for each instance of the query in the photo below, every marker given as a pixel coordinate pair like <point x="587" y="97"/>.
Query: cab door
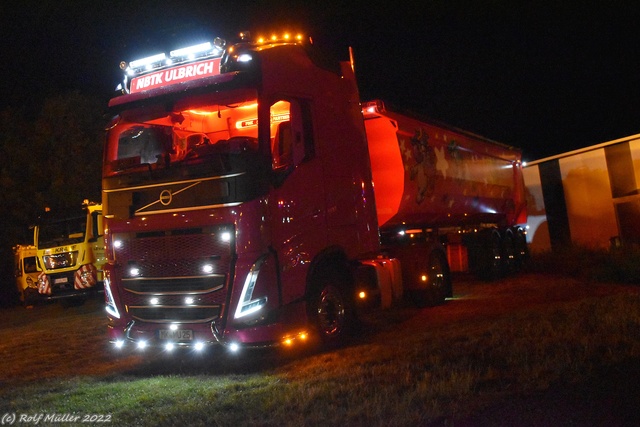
<point x="298" y="202"/>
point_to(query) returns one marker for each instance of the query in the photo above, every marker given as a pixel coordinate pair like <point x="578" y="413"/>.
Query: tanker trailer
<point x="451" y="192"/>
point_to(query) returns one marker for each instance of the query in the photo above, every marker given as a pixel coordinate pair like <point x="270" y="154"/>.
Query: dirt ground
<point x="50" y="341"/>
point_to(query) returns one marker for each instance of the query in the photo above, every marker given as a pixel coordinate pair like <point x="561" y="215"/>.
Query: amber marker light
<point x="290" y="340"/>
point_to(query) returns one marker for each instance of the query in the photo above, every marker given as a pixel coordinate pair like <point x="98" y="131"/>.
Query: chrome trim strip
<point x="127" y="330"/>
<point x="141" y="279"/>
<point x="195" y="208"/>
<point x="164" y="184"/>
<point x="173" y="293"/>
<point x="171" y="193"/>
<point x="202" y="320"/>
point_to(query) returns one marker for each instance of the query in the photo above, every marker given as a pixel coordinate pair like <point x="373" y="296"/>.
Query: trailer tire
<point x="330" y="307"/>
<point x="509" y="253"/>
<point x="490" y="265"/>
<point x="438" y="286"/>
<point x="522" y="250"/>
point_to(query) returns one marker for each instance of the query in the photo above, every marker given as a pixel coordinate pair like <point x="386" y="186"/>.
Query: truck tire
<point x="438" y="285"/>
<point x="331" y="309"/>
<point x="509" y="253"/>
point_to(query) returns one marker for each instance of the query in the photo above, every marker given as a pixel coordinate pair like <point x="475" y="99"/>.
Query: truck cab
<point x="231" y="215"/>
<point x="26" y="273"/>
<point x="70" y="254"/>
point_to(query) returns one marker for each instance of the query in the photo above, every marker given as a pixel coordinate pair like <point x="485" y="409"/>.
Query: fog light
<point x="199" y="346"/>
<point x="169" y="346"/>
<point x="142" y="344"/>
<point x="119" y="344"/>
<point x="234" y="347"/>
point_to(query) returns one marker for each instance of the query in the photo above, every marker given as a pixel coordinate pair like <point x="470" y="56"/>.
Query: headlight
<point x="247" y="304"/>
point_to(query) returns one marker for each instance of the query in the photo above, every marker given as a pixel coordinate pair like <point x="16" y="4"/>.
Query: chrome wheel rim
<point x="331" y="312"/>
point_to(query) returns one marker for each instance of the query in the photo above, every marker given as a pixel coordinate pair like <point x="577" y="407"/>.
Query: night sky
<point x="542" y="76"/>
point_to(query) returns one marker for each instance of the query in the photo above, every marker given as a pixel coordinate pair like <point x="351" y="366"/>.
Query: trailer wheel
<point x="490" y="255"/>
<point x="509" y="253"/>
<point x="438" y="282"/>
<point x="522" y="251"/>
<point x="330" y="309"/>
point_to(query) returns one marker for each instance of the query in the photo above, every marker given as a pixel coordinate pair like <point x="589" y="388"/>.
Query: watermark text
<point x="13" y="418"/>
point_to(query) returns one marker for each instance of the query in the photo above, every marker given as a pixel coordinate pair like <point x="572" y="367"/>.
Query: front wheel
<point x="331" y="312"/>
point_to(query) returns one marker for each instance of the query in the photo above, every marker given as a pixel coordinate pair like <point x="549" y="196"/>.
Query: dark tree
<point x="53" y="161"/>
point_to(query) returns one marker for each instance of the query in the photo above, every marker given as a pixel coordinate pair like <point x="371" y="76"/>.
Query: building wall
<point x="588" y="197"/>
<point x="537" y="226"/>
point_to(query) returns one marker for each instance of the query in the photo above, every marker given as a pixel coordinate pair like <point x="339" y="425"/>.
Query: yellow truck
<point x="26" y="273"/>
<point x="70" y="254"/>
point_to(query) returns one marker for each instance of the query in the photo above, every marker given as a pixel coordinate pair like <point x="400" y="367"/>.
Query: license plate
<point x="60" y="280"/>
<point x="177" y="335"/>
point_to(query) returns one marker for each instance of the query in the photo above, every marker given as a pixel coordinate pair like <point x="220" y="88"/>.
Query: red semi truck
<point x="240" y="207"/>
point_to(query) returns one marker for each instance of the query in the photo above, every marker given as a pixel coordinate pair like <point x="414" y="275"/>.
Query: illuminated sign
<point x="275" y="118"/>
<point x="179" y="74"/>
<point x="246" y="123"/>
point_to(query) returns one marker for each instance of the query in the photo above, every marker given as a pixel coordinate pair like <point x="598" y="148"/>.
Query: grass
<point x="620" y="265"/>
<point x="415" y="377"/>
<point x="410" y="367"/>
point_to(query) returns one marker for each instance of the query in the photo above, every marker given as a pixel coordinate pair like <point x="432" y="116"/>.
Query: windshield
<point x="203" y="129"/>
<point x="60" y="233"/>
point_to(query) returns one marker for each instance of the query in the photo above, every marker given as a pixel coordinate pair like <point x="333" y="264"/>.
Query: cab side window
<point x="291" y="133"/>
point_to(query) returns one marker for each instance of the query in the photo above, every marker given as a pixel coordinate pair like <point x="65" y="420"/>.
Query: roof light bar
<point x="207" y="50"/>
<point x="186" y="54"/>
<point x="147" y="61"/>
<point x="192" y="50"/>
<point x="286" y="37"/>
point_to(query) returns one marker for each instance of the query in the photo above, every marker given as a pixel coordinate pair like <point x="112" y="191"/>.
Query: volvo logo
<point x="166" y="197"/>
